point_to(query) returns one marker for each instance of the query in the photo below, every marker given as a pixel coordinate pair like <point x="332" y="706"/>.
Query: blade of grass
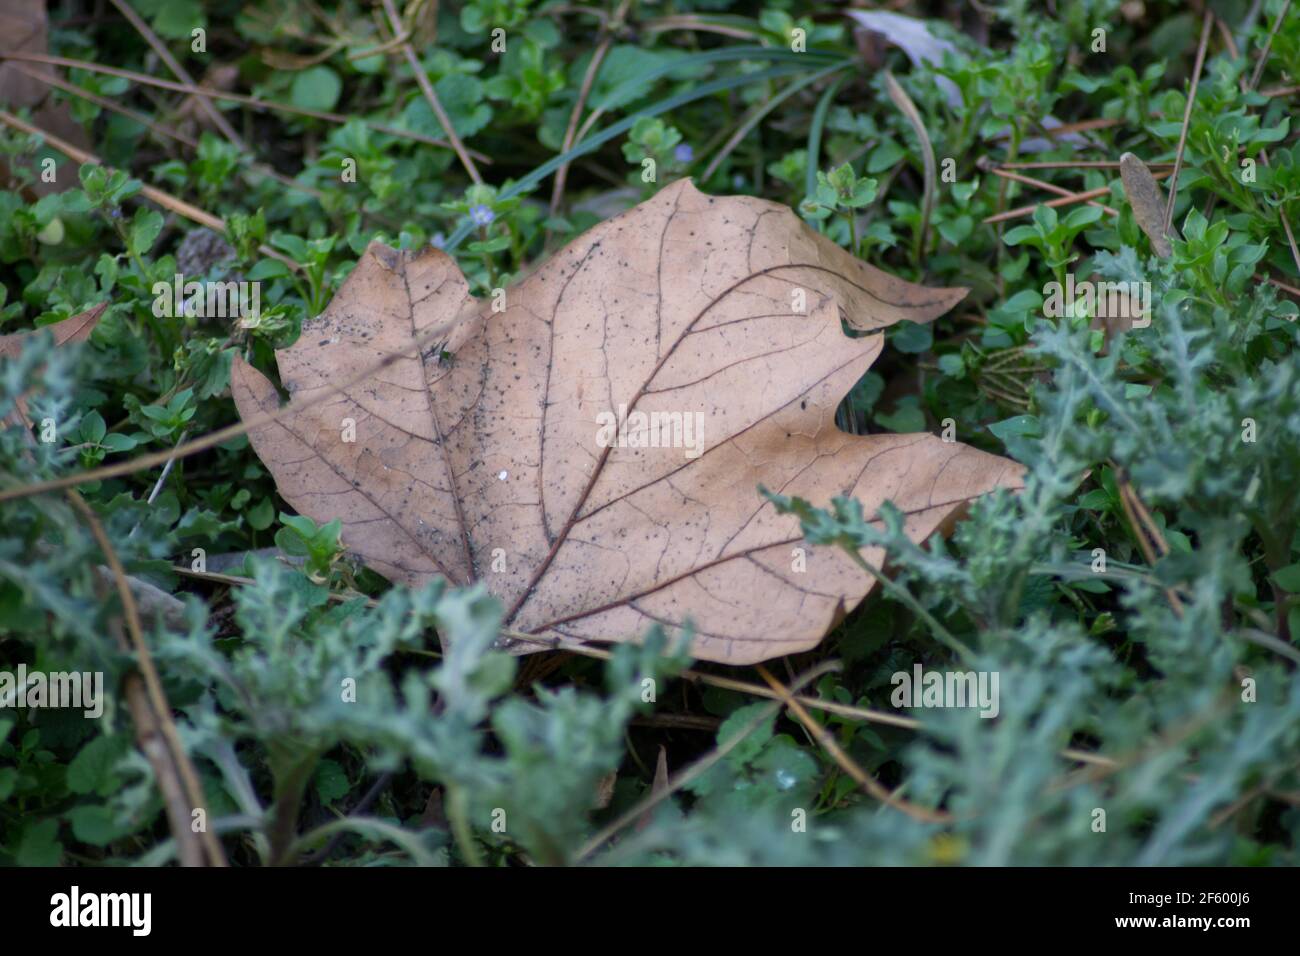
<point x="913" y="116"/>
<point x="694" y="61"/>
<point x="815" y="128"/>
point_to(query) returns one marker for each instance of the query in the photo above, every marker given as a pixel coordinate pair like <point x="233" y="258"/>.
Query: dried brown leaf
<point x="76" y="328"/>
<point x="1147" y="200"/>
<point x="913" y="116"/>
<point x="487" y="467"/>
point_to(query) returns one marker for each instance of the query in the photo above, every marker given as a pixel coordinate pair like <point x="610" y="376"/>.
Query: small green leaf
<point x="331" y="781"/>
<point x="39" y="844"/>
<point x="91" y="769"/>
<point x="912" y="337"/>
<point x="145" y="228"/>
<point x="1288" y="578"/>
<point x="317" y="88"/>
<point x="93" y="427"/>
<point x="96" y="825"/>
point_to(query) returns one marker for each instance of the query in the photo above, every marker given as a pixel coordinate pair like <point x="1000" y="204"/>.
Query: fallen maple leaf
<point x="488" y="467"/>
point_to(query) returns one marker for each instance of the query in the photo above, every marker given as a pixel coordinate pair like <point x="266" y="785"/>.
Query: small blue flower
<point x="438" y="240"/>
<point x="683" y="153"/>
<point x="481" y="215"/>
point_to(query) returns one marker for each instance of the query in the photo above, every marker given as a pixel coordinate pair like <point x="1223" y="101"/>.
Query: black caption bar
<point x="336" y="905"/>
